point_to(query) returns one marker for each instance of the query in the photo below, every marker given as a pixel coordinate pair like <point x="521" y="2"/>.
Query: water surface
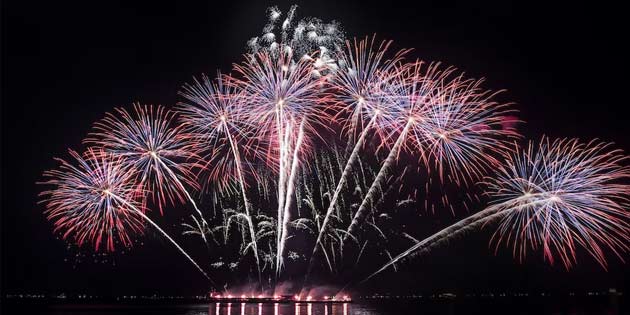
<point x="496" y="306"/>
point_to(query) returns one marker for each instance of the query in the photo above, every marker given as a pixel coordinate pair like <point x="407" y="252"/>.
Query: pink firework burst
<point x="91" y="201"/>
<point x="149" y="141"/>
<point x="453" y="124"/>
<point x="216" y="116"/>
<point x="219" y="122"/>
<point x="360" y="88"/>
<point x="556" y="196"/>
<point x="286" y="103"/>
<point x="560" y="195"/>
<point x="468" y="132"/>
<point x="282" y="96"/>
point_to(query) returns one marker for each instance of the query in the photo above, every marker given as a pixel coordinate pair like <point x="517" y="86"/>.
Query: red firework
<point x="85" y="201"/>
<point x="149" y="141"/>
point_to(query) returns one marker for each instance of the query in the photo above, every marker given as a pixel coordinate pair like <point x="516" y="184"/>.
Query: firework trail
<point x="357" y="89"/>
<point x="96" y="200"/>
<point x="166" y="236"/>
<point x="382" y="173"/>
<point x="342" y="180"/>
<point x="289" y="194"/>
<point x="413" y="94"/>
<point x="148" y="143"/>
<point x="281" y="191"/>
<point x="213" y="113"/>
<point x="467" y="224"/>
<point x="281" y="92"/>
<point x="556" y="196"/>
<point x="450" y="121"/>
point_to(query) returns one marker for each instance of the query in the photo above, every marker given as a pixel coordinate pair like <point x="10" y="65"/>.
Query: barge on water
<point x="228" y="298"/>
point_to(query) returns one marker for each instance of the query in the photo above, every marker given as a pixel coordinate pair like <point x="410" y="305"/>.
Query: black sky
<point x="66" y="63"/>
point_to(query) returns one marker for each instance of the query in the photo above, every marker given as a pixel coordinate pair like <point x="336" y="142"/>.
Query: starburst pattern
<point x="560" y="195"/>
<point x="148" y="141"/>
<point x="82" y="203"/>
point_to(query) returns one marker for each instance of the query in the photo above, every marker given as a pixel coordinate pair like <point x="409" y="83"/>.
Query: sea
<point x="576" y="305"/>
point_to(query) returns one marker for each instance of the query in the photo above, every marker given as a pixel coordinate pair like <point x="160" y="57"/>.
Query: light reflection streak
<point x="225" y="308"/>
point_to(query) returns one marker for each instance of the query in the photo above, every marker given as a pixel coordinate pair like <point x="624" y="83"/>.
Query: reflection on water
<point x="276" y="308"/>
<point x="501" y="306"/>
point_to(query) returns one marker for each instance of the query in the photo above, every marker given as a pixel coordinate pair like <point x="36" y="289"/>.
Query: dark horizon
<point x="65" y="64"/>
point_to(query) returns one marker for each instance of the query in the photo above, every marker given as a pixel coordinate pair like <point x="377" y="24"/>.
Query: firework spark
<point x="302" y="38"/>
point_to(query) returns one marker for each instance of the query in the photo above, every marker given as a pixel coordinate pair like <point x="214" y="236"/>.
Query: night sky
<point x="66" y="63"/>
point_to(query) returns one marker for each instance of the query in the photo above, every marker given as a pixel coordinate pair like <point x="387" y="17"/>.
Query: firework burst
<point x="555" y="196"/>
<point x="96" y="201"/>
<point x="149" y="143"/>
<point x="217" y="120"/>
<point x="215" y="113"/>
<point x="281" y="94"/>
<point x="450" y="121"/>
<point x="560" y="195"/>
<point x="82" y="205"/>
<point x="360" y="88"/>
<point x="356" y="89"/>
<point x="279" y="125"/>
<point x="285" y="99"/>
<point x="301" y="37"/>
